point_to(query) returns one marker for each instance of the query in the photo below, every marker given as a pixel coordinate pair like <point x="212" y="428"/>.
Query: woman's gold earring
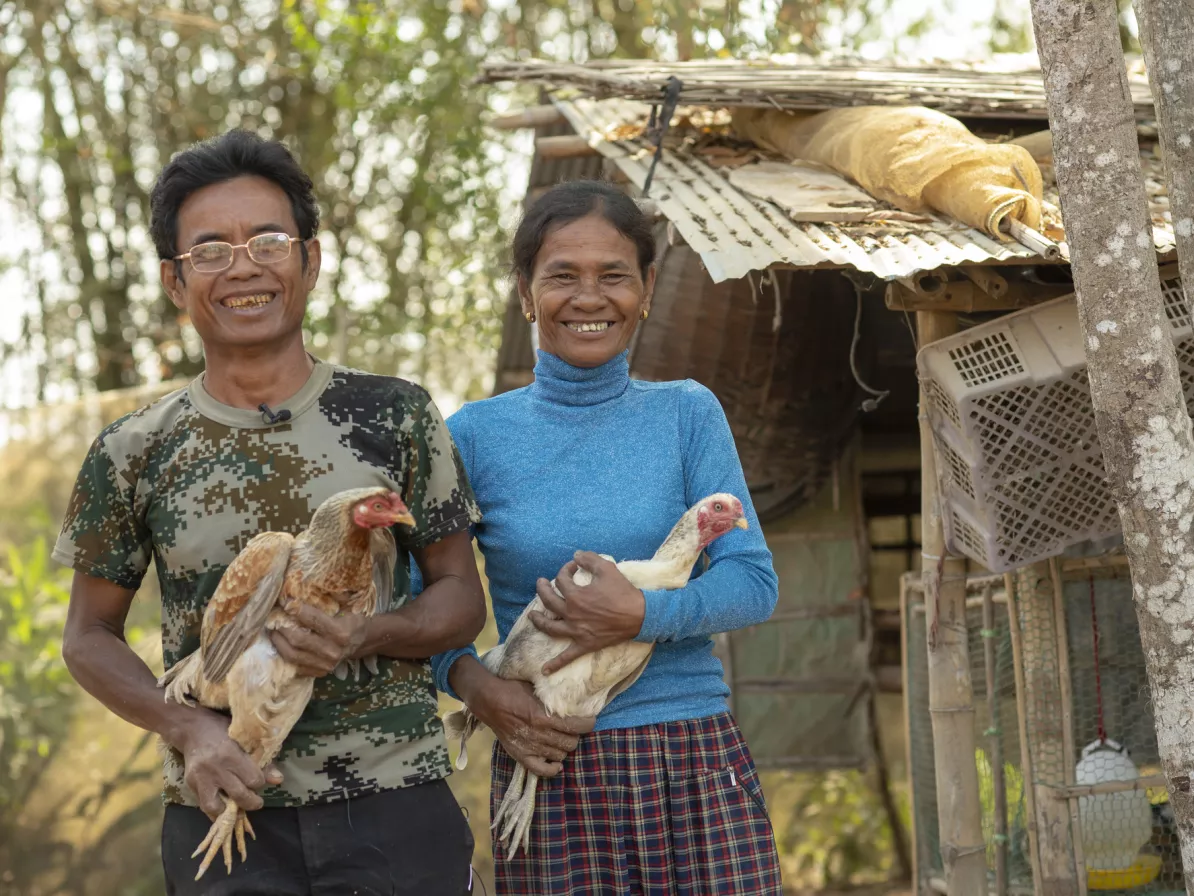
<point x="530" y="316"/>
<point x="645" y="312"/>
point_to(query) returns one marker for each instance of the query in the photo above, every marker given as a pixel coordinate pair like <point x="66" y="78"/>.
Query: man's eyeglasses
<point x="265" y="248"/>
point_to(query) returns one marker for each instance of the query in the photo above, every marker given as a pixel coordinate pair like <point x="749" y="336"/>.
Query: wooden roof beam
<point x="531" y="117"/>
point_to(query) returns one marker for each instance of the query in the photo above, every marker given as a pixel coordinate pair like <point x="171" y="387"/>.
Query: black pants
<point x="412" y="841"/>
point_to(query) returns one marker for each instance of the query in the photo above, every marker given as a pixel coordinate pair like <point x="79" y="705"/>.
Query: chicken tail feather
<point x="460" y="725"/>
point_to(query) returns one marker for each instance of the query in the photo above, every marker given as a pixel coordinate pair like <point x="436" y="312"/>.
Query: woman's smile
<point x="590" y="327"/>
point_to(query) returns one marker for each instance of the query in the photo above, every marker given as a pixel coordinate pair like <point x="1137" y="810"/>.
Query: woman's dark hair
<point x="568" y="202"/>
<point x="234" y="154"/>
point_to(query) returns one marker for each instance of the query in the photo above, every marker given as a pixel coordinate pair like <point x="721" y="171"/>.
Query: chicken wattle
<point x="586" y="685"/>
<point x="342" y="563"/>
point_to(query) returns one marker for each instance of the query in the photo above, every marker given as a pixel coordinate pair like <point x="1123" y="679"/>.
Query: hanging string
<point x="1094" y="622"/>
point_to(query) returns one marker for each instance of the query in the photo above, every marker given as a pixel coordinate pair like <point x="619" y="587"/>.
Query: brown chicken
<point x="342" y="563"/>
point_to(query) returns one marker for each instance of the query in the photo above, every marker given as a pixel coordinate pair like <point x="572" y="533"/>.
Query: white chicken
<point x="586" y="685"/>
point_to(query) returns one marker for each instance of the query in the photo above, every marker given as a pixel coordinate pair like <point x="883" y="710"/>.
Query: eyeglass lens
<point x="266" y="248"/>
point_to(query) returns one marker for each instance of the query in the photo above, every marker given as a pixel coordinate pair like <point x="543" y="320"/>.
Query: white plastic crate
<point x="1018" y="458"/>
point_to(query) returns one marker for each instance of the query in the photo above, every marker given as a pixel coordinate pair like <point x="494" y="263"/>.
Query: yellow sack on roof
<point x="915" y="158"/>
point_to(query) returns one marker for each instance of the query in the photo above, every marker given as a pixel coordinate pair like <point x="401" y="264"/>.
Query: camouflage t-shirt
<point x="189" y="481"/>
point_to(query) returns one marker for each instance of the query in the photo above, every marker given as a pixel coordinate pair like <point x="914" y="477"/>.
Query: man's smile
<point x="248" y="302"/>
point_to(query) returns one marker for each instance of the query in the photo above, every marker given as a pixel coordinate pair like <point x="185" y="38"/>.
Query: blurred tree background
<point x="417" y="195"/>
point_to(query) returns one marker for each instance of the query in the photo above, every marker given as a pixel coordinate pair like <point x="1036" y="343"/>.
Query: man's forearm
<point x="449" y="613"/>
<point x="107" y="668"/>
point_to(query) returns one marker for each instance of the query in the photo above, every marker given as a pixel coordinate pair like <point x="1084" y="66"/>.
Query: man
<point x="357" y="801"/>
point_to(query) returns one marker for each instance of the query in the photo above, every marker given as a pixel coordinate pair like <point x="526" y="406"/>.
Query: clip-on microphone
<point x="270" y="417"/>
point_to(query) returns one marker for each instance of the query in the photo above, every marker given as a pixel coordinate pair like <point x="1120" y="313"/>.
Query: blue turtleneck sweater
<point x="588" y="459"/>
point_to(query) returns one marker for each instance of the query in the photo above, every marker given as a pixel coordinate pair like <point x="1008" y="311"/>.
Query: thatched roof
<point x="973" y="90"/>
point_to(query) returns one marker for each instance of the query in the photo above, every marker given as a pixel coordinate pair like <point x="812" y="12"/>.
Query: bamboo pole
<point x="532" y="117"/>
<point x="1074" y="791"/>
<point x="998" y="784"/>
<point x="972" y="603"/>
<point x="570" y="146"/>
<point x="951" y="699"/>
<point x="1045" y="724"/>
<point x="1026" y="770"/>
<point x="913" y="830"/>
<point x="1061" y="632"/>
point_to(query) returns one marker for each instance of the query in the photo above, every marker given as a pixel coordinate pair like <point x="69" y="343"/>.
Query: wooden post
<point x="533" y="117"/>
<point x="951" y="698"/>
<point x="905" y="621"/>
<point x="1026" y="773"/>
<point x="1066" y="683"/>
<point x="1045" y="728"/>
<point x="570" y="146"/>
<point x="995" y="757"/>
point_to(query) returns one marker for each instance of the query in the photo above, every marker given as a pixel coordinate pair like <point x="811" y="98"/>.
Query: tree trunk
<point x="1143" y="424"/>
<point x="951" y="696"/>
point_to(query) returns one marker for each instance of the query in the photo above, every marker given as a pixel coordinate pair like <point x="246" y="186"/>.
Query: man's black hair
<point x="235" y="154"/>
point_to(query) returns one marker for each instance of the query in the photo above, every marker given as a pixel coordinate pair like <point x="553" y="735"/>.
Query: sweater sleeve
<point x="740" y="587"/>
<point x="441" y="663"/>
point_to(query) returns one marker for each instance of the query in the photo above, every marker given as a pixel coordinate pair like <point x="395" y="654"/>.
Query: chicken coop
<point x="1063" y="731"/>
<point x="902" y="380"/>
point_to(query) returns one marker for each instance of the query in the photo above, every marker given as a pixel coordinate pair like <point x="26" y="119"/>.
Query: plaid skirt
<point x="672" y="808"/>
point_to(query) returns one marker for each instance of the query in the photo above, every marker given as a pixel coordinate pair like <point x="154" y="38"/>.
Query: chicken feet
<point x="516" y="810"/>
<point x="231" y="823"/>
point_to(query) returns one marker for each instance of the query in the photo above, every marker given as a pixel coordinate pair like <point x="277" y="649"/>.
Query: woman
<point x="662" y="796"/>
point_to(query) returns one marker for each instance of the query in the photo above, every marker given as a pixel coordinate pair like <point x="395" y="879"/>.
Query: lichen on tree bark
<point x="1143" y="424"/>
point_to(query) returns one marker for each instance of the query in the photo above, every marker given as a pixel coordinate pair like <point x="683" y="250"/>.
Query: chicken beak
<point x="404" y="517"/>
<point x="741" y="523"/>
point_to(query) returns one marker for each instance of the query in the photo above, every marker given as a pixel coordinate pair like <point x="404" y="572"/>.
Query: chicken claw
<point x="231" y="825"/>
<point x="512" y="795"/>
<point x="516" y="832"/>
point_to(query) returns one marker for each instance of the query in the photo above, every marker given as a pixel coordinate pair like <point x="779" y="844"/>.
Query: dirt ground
<point x="877" y="890"/>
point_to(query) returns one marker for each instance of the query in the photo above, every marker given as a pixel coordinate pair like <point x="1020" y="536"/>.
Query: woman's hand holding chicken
<point x="607" y="611"/>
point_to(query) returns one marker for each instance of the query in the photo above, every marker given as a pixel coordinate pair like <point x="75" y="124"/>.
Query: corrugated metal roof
<point x="735" y="233"/>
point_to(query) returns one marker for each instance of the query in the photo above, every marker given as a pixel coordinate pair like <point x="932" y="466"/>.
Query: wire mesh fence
<point x="1128" y="838"/>
<point x="1081" y="719"/>
<point x="997" y="738"/>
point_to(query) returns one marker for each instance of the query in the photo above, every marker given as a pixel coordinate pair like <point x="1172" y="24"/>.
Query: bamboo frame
<point x="998" y="784"/>
<point x="1111" y="561"/>
<point x="1049" y="745"/>
<point x="1066" y="687"/>
<point x="531" y="117"/>
<point x="1076" y="791"/>
<point x="951" y="696"/>
<point x="972" y="603"/>
<point x="1026" y="770"/>
<point x="905" y="677"/>
<point x="568" y="146"/>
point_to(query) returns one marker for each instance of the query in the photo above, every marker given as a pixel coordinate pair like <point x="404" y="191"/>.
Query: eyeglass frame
<point x="232" y="254"/>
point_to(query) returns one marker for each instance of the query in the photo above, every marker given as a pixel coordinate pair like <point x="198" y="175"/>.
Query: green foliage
<point x="60" y="826"/>
<point x="379" y="102"/>
<point x="1016" y="827"/>
<point x="37" y="695"/>
<point x="375" y="99"/>
<point x="830" y="828"/>
<point x="36" y="691"/>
